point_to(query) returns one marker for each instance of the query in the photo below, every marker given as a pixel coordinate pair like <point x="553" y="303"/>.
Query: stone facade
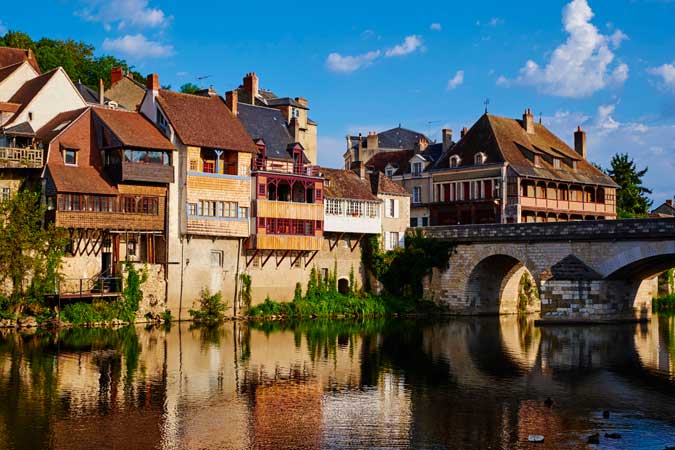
<point x="488" y="260"/>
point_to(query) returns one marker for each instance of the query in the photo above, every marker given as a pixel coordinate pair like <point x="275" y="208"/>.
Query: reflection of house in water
<point x="655" y="345"/>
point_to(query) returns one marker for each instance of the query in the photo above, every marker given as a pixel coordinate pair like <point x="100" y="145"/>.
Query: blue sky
<point x="368" y="66"/>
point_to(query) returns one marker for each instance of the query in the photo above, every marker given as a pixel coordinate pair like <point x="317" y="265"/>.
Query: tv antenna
<point x="486" y="103"/>
<point x="203" y="77"/>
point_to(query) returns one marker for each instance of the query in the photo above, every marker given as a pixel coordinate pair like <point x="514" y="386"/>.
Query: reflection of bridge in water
<point x="602" y="270"/>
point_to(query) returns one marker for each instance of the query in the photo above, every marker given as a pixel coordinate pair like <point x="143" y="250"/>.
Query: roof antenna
<point x="486" y="103"/>
<point x="540" y="118"/>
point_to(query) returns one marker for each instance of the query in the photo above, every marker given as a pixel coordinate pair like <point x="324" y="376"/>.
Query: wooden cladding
<point x="289" y="210"/>
<point x="109" y="220"/>
<point x="284" y="242"/>
<point x="148" y="173"/>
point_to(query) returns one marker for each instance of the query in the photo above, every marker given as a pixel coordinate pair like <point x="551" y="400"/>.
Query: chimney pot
<point x="580" y="142"/>
<point x="153" y="82"/>
<point x="231" y="100"/>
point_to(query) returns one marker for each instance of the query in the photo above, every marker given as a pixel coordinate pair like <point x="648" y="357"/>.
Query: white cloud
<point x="457" y="80"/>
<point x="124" y="13"/>
<point x="583" y="64"/>
<point x="346" y="63"/>
<point x="667" y="74"/>
<point x="410" y="44"/>
<point x="137" y="46"/>
<point x="3" y="27"/>
<point x="604" y="120"/>
<point x="436" y="26"/>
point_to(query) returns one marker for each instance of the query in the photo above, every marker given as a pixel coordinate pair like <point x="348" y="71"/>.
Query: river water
<point x="475" y="383"/>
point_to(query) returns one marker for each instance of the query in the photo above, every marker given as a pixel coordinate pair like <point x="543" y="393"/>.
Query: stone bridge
<point x="584" y="271"/>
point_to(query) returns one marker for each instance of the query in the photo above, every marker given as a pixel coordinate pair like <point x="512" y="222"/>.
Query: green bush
<point x="89" y="313"/>
<point x="664" y="304"/>
<point x="211" y="308"/>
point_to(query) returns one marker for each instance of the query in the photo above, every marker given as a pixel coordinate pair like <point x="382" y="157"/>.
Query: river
<point x="470" y="383"/>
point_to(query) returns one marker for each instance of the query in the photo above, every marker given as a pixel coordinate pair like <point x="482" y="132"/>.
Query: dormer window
<point x="574" y="165"/>
<point x="537" y="160"/>
<point x="389" y="171"/>
<point x="557" y="163"/>
<point x="69" y="156"/>
<point x="417" y="169"/>
<point x="454" y="161"/>
<point x="479" y="159"/>
<point x="162" y="122"/>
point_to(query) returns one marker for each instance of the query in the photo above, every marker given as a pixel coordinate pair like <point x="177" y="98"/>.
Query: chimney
<point x="371" y="140"/>
<point x="251" y="85"/>
<point x="447" y="138"/>
<point x="231" y="100"/>
<point x="669" y="202"/>
<point x="101" y="90"/>
<point x="153" y="82"/>
<point x="359" y="168"/>
<point x="421" y="145"/>
<point x="528" y="121"/>
<point x="580" y="142"/>
<point x="302" y="101"/>
<point x="116" y="74"/>
<point x="464" y="131"/>
<point x="209" y="92"/>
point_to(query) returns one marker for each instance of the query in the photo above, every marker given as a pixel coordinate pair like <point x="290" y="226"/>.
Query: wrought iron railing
<point x="101" y="283"/>
<point x="21" y="157"/>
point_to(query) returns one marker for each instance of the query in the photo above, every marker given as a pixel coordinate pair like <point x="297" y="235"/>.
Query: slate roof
<point x="398" y="158"/>
<point x="285" y="101"/>
<point x="396" y="138"/>
<point x="665" y="210"/>
<point x="21" y="129"/>
<point x="29" y="90"/>
<point x="269" y="125"/>
<point x="505" y="140"/>
<point x="382" y="184"/>
<point x="132" y="129"/>
<point x="88" y="94"/>
<point x="205" y="121"/>
<point x="9" y="56"/>
<point x="55" y="126"/>
<point x="345" y="184"/>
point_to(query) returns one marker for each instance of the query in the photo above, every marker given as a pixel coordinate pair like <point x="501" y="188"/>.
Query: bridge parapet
<point x="599" y="230"/>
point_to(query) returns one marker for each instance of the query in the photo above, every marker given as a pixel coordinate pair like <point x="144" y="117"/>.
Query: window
<point x="243" y="212"/>
<point x="70" y="156"/>
<point x="161" y="122"/>
<point x="417" y="194"/>
<point x="392" y="207"/>
<point x="389" y="171"/>
<point x="194" y="165"/>
<point x="6" y="193"/>
<point x="425" y="221"/>
<point x="479" y="159"/>
<point x="413" y="222"/>
<point x="556" y="163"/>
<point x="216" y="258"/>
<point x="192" y="209"/>
<point x="454" y="161"/>
<point x="393" y="240"/>
<point x="417" y="169"/>
<point x="146" y="157"/>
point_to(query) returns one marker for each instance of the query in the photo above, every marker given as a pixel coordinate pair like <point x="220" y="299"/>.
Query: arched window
<point x="454" y="161"/>
<point x="479" y="159"/>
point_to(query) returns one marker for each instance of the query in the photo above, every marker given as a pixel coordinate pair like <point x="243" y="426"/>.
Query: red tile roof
<point x="79" y="179"/>
<point x="9" y="56"/>
<point x="205" y="121"/>
<point x="399" y="158"/>
<point x="132" y="129"/>
<point x="382" y="184"/>
<point x="346" y="184"/>
<point x="56" y="126"/>
<point x="8" y="70"/>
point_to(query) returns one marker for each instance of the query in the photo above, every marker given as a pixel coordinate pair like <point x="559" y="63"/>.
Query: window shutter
<point x="386" y="208"/>
<point x="396" y="209"/>
<point x="386" y="240"/>
<point x="401" y="240"/>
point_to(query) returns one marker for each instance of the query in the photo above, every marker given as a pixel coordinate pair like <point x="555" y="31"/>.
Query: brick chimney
<point x="153" y="82"/>
<point x="463" y="133"/>
<point x="251" y="85"/>
<point x="371" y="140"/>
<point x="231" y="100"/>
<point x="116" y="74"/>
<point x="447" y="138"/>
<point x="528" y="121"/>
<point x="302" y="101"/>
<point x="580" y="142"/>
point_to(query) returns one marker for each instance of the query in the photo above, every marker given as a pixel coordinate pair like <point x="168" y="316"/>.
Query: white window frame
<point x="455" y="161"/>
<point x="417" y="194"/>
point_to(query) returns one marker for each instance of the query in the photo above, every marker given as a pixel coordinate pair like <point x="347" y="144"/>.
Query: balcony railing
<point x="265" y="165"/>
<point x="20" y="157"/>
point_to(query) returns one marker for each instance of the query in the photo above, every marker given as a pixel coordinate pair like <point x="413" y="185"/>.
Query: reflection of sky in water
<point x="465" y="383"/>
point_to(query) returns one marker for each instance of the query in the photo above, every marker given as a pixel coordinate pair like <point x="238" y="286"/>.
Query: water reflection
<point x="470" y="383"/>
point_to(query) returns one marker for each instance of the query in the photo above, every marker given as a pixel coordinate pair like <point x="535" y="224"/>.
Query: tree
<point x="189" y="88"/>
<point x="631" y="197"/>
<point x="30" y="254"/>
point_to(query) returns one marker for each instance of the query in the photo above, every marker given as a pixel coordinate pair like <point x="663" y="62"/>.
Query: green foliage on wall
<point x="211" y="308"/>
<point x="246" y="290"/>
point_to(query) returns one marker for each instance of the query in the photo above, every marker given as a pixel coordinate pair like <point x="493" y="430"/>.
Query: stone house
<point x="124" y="90"/>
<point x="209" y="206"/>
<point x="395" y="209"/>
<point x="666" y="209"/>
<point x="301" y="127"/>
<point x="106" y="181"/>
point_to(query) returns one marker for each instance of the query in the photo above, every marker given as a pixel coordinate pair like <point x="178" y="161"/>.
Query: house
<point x="395" y="209"/>
<point x="106" y="182"/>
<point x="126" y="92"/>
<point x="507" y="170"/>
<point x="210" y="202"/>
<point x="301" y="127"/>
<point x="666" y="209"/>
<point x="10" y="56"/>
<point x="362" y="149"/>
<point x="36" y="100"/>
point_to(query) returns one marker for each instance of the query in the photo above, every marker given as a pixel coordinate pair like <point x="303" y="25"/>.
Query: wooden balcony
<point x="567" y="205"/>
<point x="141" y="172"/>
<point x="23" y="158"/>
<point x="285" y="242"/>
<point x="100" y="220"/>
<point x="289" y="210"/>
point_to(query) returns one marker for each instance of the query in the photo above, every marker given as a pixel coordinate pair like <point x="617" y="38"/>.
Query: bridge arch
<point x="640" y="262"/>
<point x="493" y="285"/>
